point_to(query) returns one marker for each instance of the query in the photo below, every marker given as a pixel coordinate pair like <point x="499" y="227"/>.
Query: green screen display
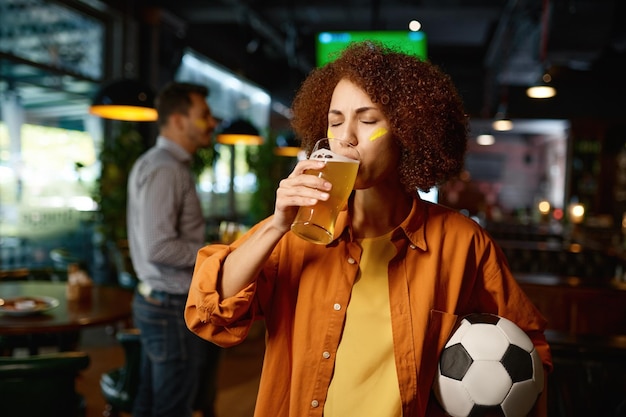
<point x="328" y="44"/>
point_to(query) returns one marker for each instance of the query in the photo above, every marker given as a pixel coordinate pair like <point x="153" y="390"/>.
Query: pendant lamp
<point x="287" y="145"/>
<point x="502" y="124"/>
<point x="126" y="99"/>
<point x="238" y="132"/>
<point x="485" y="139"/>
<point x="501" y="121"/>
<point x="543" y="89"/>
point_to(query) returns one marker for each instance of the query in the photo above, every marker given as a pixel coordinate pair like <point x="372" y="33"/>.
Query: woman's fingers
<point x="304" y="165"/>
<point x="300" y="189"/>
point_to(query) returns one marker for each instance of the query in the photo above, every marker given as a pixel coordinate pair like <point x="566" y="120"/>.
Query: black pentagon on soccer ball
<point x="455" y="361"/>
<point x="486" y="411"/>
<point x="517" y="363"/>
<point x="484" y="318"/>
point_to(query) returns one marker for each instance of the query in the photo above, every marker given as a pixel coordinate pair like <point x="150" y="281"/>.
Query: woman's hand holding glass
<point x="299" y="189"/>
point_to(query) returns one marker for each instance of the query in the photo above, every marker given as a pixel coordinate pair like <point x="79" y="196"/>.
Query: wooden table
<point x="106" y="305"/>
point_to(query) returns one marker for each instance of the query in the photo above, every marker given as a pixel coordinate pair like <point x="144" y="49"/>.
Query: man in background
<point x="165" y="230"/>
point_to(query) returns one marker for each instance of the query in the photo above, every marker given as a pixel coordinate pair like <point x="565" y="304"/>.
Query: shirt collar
<point x="174" y="148"/>
<point x="412" y="227"/>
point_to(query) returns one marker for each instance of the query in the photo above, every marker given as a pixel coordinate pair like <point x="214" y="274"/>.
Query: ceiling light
<point x="501" y="121"/>
<point x="502" y="125"/>
<point x="543" y="89"/>
<point x="239" y="132"/>
<point x="415" y="26"/>
<point x="125" y="99"/>
<point x="485" y="139"/>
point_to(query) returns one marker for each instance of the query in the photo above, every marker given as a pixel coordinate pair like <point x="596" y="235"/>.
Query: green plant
<point x="269" y="170"/>
<point x="117" y="158"/>
<point x="202" y="159"/>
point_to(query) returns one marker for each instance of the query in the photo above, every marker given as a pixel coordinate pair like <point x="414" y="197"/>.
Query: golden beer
<point x="317" y="223"/>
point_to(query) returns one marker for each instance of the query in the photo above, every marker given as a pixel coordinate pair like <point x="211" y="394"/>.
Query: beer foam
<point x="327" y="155"/>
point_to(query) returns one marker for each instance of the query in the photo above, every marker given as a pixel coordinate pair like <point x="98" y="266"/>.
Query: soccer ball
<point x="489" y="367"/>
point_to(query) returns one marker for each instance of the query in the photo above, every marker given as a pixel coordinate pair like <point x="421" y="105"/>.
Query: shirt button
<point x="326" y="355"/>
<point x="412" y="246"/>
<point x="315" y="404"/>
<point x="351" y="261"/>
<point x="337" y="306"/>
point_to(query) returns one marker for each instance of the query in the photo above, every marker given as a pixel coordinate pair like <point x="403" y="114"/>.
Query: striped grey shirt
<point x="165" y="222"/>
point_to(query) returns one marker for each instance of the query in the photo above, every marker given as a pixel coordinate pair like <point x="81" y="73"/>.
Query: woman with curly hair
<point x="355" y="327"/>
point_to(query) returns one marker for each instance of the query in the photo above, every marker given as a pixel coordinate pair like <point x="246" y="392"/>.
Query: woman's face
<point x="353" y="116"/>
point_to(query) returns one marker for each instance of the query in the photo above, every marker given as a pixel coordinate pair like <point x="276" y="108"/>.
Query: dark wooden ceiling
<point x="491" y="48"/>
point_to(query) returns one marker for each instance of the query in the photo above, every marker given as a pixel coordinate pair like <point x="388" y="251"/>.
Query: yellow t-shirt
<point x="365" y="381"/>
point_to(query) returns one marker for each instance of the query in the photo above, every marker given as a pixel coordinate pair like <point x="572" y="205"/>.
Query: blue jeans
<point x="178" y="368"/>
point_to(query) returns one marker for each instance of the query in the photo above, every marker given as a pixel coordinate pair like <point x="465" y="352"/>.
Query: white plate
<point x="27" y="305"/>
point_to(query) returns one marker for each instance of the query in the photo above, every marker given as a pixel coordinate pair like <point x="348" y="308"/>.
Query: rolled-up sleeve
<point x="223" y="321"/>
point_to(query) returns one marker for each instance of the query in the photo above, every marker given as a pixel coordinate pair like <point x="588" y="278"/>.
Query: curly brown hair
<point x="421" y="103"/>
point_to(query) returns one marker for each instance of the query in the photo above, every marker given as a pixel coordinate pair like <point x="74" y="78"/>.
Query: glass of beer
<point x="316" y="224"/>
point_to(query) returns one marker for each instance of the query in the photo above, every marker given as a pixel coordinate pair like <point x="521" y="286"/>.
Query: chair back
<point x="119" y="386"/>
<point x="42" y="385"/>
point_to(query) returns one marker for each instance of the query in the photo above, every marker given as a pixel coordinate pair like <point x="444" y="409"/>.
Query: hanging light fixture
<point x="485" y="139"/>
<point x="501" y="121"/>
<point x="239" y="132"/>
<point x="287" y="145"/>
<point x="236" y="132"/>
<point x="502" y="124"/>
<point x="543" y="89"/>
<point x="125" y="99"/>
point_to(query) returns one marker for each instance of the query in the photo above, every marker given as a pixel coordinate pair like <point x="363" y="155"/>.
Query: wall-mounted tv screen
<point x="329" y="44"/>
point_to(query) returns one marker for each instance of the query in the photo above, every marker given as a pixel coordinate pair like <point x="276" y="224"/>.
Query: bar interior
<point x="544" y="175"/>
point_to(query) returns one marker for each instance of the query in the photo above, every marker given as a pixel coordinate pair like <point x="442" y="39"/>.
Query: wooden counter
<point x="578" y="306"/>
<point x="587" y="337"/>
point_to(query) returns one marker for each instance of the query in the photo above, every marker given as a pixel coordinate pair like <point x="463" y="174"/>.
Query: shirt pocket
<point x="438" y="331"/>
<point x="440" y="327"/>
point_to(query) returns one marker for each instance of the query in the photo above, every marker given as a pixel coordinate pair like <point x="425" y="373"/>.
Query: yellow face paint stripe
<point x="200" y="123"/>
<point x="378" y="133"/>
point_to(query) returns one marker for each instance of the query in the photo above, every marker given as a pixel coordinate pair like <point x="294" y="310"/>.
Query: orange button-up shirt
<point x="446" y="266"/>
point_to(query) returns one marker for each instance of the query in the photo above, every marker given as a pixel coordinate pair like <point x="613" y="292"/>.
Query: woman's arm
<point x="243" y="265"/>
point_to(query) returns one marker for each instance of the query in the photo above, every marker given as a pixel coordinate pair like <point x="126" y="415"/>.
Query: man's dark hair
<point x="175" y="98"/>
